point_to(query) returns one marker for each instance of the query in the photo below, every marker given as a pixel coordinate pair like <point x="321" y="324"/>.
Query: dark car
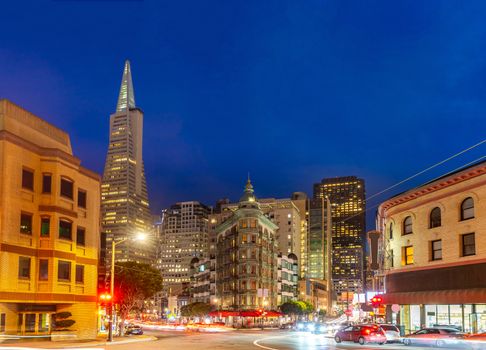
<point x="133" y="329"/>
<point x="435" y="336"/>
<point x="361" y="334"/>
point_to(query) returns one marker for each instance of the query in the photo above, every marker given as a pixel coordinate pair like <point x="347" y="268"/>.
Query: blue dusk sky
<point x="290" y="91"/>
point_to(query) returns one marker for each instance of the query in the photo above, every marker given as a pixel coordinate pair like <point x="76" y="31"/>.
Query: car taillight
<point x="367" y="331"/>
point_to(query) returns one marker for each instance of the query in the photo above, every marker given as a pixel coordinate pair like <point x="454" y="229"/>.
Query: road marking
<point x="256" y="342"/>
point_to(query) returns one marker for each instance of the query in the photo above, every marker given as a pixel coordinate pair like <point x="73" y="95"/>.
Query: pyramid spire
<point x="126" y="98"/>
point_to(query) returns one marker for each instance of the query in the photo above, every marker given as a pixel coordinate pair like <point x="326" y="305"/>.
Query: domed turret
<point x="248" y="200"/>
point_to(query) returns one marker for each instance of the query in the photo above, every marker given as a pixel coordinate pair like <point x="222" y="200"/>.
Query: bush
<point x="60" y="322"/>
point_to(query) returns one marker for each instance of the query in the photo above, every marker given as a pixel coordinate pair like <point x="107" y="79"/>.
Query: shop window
<point x="82" y="199"/>
<point x="436" y="247"/>
<point x="79" y="273"/>
<point x="67" y="188"/>
<point x="435" y="218"/>
<point x="80" y="236"/>
<point x="64" y="271"/>
<point x="407" y="225"/>
<point x="468" y="244"/>
<point x="467" y="209"/>
<point x="407" y="258"/>
<point x="45" y="226"/>
<point x="43" y="270"/>
<point x="46" y="183"/>
<point x="24" y="267"/>
<point x="65" y="229"/>
<point x="26" y="223"/>
<point x="27" y="179"/>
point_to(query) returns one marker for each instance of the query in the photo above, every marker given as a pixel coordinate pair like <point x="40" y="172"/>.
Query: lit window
<point x="407" y="255"/>
<point x="26" y="223"/>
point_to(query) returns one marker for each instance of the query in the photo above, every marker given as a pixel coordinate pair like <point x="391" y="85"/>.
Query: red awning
<point x="245" y="313"/>
<point x="456" y="296"/>
<point x="250" y="313"/>
<point x="223" y="313"/>
<point x="273" y="314"/>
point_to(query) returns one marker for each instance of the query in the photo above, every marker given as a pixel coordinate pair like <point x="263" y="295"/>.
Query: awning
<point x="456" y="296"/>
<point x="223" y="313"/>
<point x="245" y="313"/>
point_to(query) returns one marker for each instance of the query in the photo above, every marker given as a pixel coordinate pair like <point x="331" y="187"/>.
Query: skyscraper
<point x="124" y="200"/>
<point x="347" y="198"/>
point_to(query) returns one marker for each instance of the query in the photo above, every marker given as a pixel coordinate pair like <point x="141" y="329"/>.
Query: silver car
<point x="392" y="333"/>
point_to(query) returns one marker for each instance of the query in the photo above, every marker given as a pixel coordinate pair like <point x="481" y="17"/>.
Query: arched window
<point x="407" y="225"/>
<point x="435" y="218"/>
<point x="391" y="230"/>
<point x="467" y="209"/>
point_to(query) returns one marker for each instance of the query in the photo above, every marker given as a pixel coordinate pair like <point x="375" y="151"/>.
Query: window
<point x="64" y="271"/>
<point x="468" y="244"/>
<point x="80" y="273"/>
<point x="27" y="179"/>
<point x="392" y="257"/>
<point x="45" y="224"/>
<point x="467" y="209"/>
<point x="391" y="230"/>
<point x="46" y="183"/>
<point x="66" y="188"/>
<point x="407" y="225"/>
<point x="65" y="229"/>
<point x="24" y="267"/>
<point x="2" y="323"/>
<point x="82" y="199"/>
<point x="436" y="247"/>
<point x="407" y="255"/>
<point x="80" y="236"/>
<point x="435" y="218"/>
<point x="26" y="223"/>
<point x="43" y="269"/>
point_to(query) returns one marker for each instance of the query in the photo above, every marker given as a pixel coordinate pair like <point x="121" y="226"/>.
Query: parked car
<point x="475" y="341"/>
<point x="290" y="325"/>
<point x="133" y="329"/>
<point x="361" y="334"/>
<point x="435" y="336"/>
<point x="392" y="333"/>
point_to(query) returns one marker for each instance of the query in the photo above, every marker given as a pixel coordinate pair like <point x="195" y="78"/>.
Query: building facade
<point x="246" y="257"/>
<point x="49" y="228"/>
<point x="346" y="195"/>
<point x="124" y="199"/>
<point x="434" y="252"/>
<point x="183" y="236"/>
<point x="287" y="277"/>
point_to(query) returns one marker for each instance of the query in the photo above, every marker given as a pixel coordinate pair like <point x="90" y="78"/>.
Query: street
<point x="247" y="339"/>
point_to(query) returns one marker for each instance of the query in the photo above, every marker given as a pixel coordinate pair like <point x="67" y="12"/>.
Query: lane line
<point x="257" y="341"/>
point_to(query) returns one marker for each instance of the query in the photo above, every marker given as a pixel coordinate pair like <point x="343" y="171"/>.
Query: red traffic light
<point x="105" y="297"/>
<point x="376" y="301"/>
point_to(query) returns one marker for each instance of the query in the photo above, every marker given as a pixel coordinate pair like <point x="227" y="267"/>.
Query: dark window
<point x="27" y="179"/>
<point x="82" y="199"/>
<point x="467" y="209"/>
<point x="43" y="269"/>
<point x="26" y="223"/>
<point x="392" y="258"/>
<point x="45" y="225"/>
<point x="468" y="244"/>
<point x="391" y="230"/>
<point x="436" y="247"/>
<point x="66" y="188"/>
<point x="24" y="267"/>
<point x="407" y="225"/>
<point x="65" y="229"/>
<point x="80" y="236"/>
<point x="46" y="183"/>
<point x="2" y="323"/>
<point x="64" y="270"/>
<point x="435" y="218"/>
<point x="79" y="273"/>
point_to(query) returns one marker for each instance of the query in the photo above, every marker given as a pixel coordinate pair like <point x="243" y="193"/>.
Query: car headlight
<point x="311" y="327"/>
<point x="300" y="326"/>
<point x="322" y="329"/>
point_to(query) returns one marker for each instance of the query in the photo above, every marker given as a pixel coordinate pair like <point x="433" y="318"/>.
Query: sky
<point x="289" y="91"/>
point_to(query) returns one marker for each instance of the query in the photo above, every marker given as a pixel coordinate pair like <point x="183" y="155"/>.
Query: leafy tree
<point x="291" y="308"/>
<point x="196" y="309"/>
<point x="307" y="307"/>
<point x="134" y="282"/>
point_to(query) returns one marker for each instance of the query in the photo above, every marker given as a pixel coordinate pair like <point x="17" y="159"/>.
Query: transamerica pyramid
<point x="125" y="209"/>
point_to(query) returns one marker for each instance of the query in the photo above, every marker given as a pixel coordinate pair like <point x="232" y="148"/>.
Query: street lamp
<point x="140" y="236"/>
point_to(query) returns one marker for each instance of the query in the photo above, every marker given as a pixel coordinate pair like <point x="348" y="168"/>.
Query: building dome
<point x="248" y="200"/>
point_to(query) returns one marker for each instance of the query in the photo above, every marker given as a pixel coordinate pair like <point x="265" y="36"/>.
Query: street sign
<point x="395" y="308"/>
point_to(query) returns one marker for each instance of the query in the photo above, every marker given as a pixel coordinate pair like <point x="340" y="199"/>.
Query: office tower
<point x="124" y="200"/>
<point x="347" y="198"/>
<point x="183" y="237"/>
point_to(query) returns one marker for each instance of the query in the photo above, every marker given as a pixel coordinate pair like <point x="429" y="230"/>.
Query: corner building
<point x="434" y="252"/>
<point x="49" y="228"/>
<point x="246" y="261"/>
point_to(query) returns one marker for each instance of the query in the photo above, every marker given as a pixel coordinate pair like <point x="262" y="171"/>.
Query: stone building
<point x="287" y="278"/>
<point x="49" y="228"/>
<point x="434" y="252"/>
<point x="246" y="257"/>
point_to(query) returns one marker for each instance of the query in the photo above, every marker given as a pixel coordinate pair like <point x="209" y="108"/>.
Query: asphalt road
<point x="248" y="339"/>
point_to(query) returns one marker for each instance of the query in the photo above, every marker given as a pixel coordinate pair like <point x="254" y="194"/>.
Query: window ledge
<point x="467" y="219"/>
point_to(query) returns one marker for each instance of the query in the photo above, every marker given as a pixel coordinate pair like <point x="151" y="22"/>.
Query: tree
<point x="134" y="282"/>
<point x="196" y="309"/>
<point x="60" y="321"/>
<point x="291" y="308"/>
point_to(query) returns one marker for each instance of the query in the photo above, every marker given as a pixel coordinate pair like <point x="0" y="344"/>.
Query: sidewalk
<point x="97" y="344"/>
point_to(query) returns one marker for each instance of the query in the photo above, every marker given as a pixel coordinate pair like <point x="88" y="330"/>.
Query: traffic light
<point x="105" y="298"/>
<point x="376" y="301"/>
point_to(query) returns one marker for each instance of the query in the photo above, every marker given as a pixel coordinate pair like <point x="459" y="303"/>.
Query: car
<point x="361" y="334"/>
<point x="475" y="341"/>
<point x="133" y="329"/>
<point x="392" y="333"/>
<point x="290" y="325"/>
<point x="435" y="336"/>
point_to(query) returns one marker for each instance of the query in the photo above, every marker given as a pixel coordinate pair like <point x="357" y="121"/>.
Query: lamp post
<point x="139" y="237"/>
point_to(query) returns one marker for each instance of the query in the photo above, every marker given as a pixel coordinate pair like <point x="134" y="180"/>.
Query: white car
<point x="392" y="333"/>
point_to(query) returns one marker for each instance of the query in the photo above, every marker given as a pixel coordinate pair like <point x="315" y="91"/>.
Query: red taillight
<point x="367" y="331"/>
